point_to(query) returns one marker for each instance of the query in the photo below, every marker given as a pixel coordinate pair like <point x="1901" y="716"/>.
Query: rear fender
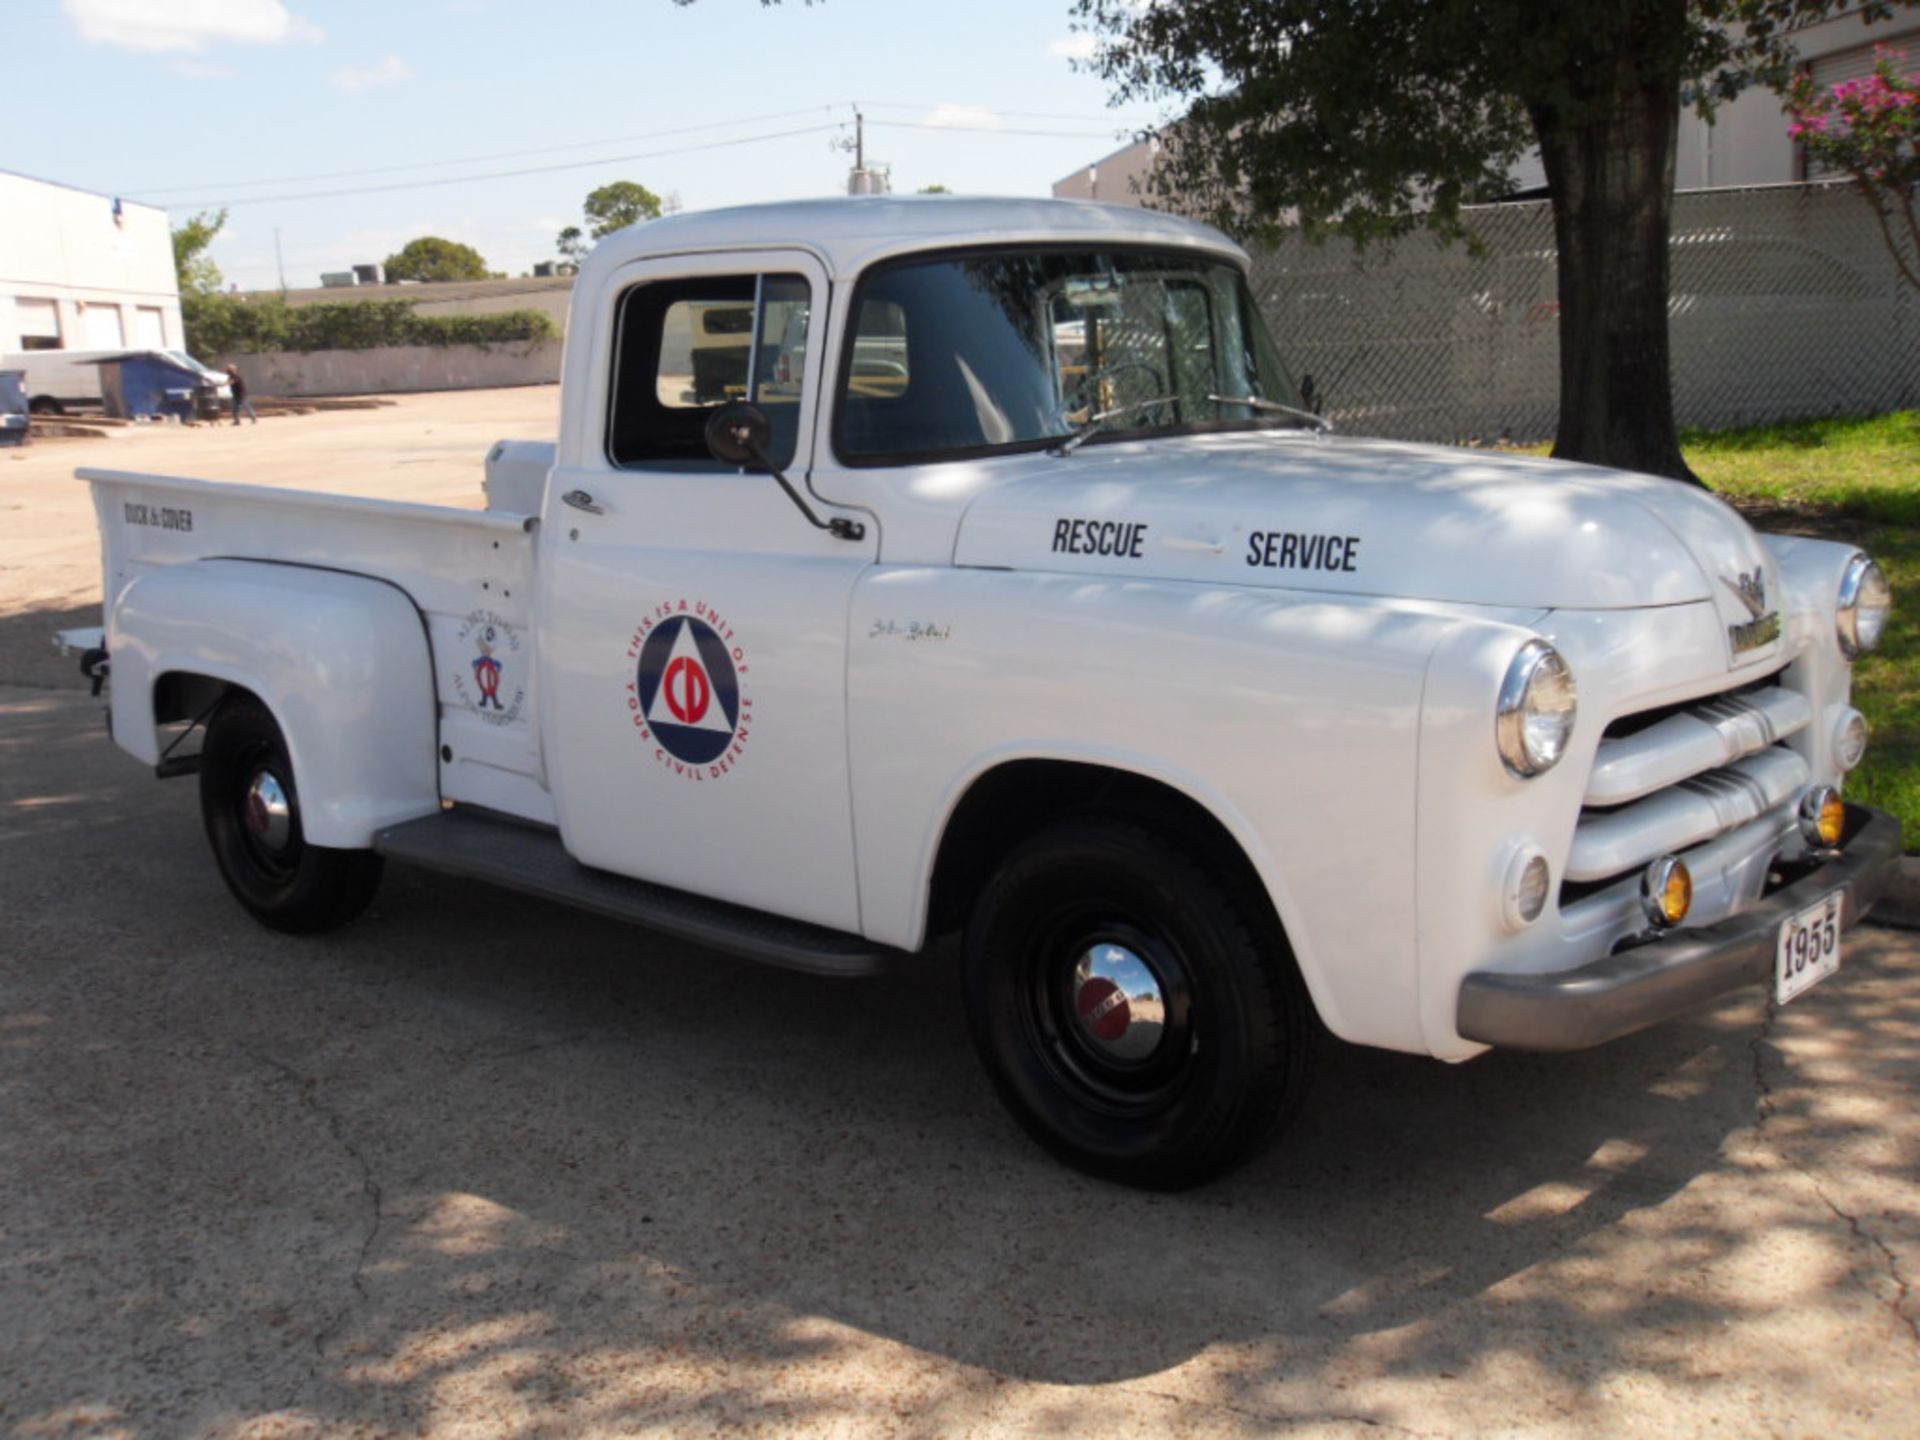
<point x="342" y="661"/>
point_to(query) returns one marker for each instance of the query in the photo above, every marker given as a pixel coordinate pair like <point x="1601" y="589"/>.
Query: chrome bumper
<point x="1630" y="990"/>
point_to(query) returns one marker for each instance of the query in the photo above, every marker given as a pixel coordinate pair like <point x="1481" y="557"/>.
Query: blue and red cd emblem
<point x="687" y="693"/>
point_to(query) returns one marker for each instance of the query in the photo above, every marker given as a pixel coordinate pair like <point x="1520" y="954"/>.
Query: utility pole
<point x="862" y="180"/>
<point x="280" y="261"/>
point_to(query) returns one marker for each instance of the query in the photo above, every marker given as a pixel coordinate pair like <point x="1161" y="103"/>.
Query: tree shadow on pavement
<point x="479" y="1155"/>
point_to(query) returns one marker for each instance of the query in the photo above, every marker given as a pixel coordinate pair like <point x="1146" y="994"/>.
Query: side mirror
<point x="737" y="433"/>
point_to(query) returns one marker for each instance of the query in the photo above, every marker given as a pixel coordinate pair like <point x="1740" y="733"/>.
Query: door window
<point x="683" y="347"/>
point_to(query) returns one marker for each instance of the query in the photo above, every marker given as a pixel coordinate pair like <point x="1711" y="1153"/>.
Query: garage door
<point x="102" y="324"/>
<point x="39" y="324"/>
<point x="149" y="331"/>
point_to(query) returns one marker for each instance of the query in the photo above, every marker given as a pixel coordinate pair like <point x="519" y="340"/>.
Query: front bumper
<point x="1632" y="989"/>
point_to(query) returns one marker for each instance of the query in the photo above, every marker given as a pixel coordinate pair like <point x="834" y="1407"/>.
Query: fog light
<point x="1849" y="738"/>
<point x="1529" y="881"/>
<point x="1667" y="891"/>
<point x="1823" y="817"/>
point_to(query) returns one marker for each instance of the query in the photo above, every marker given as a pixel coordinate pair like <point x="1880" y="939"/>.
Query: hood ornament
<point x="1750" y="588"/>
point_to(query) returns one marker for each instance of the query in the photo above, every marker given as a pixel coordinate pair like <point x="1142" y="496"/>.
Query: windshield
<point x="1018" y="349"/>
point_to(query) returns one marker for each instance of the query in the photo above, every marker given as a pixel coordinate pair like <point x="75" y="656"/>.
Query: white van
<point x="61" y="381"/>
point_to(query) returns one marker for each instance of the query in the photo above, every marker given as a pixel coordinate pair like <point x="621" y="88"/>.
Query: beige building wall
<point x="68" y="266"/>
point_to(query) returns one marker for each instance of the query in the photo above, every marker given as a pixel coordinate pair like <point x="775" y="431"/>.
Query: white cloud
<point x="186" y="24"/>
<point x="963" y="117"/>
<point x="388" y="70"/>
<point x="201" y="70"/>
<point x="1074" y="47"/>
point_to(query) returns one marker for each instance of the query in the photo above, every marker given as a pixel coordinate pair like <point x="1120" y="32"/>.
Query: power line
<point x="993" y="130"/>
<point x="507" y="174"/>
<point x="1122" y="120"/>
<point x="482" y="159"/>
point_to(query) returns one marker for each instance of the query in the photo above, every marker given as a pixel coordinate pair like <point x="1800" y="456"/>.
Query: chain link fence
<point x="1785" y="305"/>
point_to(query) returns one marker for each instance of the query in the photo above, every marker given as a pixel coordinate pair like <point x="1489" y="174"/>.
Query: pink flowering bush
<point x="1870" y="129"/>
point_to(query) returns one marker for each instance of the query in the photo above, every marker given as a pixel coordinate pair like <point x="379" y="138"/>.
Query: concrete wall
<point x="548" y="294"/>
<point x="398" y="369"/>
<point x="63" y="245"/>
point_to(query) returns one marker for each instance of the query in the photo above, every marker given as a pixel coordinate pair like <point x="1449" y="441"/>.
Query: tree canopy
<point x="432" y="258"/>
<point x="1373" y="121"/>
<point x="197" y="273"/>
<point x="618" y="205"/>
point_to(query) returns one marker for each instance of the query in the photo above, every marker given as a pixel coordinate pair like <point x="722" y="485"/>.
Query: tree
<point x="572" y="245"/>
<point x="431" y="258"/>
<point x="1870" y="129"/>
<point x="197" y="273"/>
<point x="933" y="190"/>
<point x="616" y="206"/>
<point x="1372" y="121"/>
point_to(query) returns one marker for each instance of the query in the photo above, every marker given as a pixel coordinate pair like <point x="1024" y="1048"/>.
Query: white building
<point x="80" y="271"/>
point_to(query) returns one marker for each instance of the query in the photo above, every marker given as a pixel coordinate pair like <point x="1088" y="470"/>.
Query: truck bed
<point x="470" y="574"/>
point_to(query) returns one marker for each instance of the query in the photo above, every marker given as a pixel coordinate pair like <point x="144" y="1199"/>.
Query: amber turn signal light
<point x="1823" y="817"/>
<point x="1667" y="891"/>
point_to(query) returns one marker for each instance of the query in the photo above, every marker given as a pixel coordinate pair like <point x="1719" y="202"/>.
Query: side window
<point x="685" y="346"/>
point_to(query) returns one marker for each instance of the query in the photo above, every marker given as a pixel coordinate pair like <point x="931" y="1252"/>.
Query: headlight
<point x="1865" y="600"/>
<point x="1536" y="710"/>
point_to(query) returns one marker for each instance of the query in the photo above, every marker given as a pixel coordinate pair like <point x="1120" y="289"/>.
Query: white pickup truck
<point x="999" y="584"/>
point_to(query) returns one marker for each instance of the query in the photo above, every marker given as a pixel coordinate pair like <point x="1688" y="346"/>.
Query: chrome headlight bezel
<point x="1863" y="586"/>
<point x="1536" y="711"/>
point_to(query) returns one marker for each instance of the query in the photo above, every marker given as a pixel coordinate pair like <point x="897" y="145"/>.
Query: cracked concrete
<point x="308" y="1091"/>
<point x="481" y="1167"/>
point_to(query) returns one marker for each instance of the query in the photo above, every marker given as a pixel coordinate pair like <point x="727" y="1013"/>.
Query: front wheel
<point x="1142" y="1020"/>
<point x="251" y="807"/>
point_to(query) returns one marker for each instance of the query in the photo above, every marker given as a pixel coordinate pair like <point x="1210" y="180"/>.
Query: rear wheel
<point x="1142" y="1020"/>
<point x="45" y="405"/>
<point x="251" y="807"/>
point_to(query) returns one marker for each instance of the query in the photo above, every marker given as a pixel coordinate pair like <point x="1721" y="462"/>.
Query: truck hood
<point x="1290" y="510"/>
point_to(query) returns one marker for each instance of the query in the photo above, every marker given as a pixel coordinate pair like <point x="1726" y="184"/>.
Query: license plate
<point x="1809" y="948"/>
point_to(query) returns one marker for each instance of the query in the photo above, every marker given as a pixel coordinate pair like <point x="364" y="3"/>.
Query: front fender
<point x="342" y="661"/>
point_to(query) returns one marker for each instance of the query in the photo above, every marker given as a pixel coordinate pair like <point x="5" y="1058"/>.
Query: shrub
<point x="229" y="325"/>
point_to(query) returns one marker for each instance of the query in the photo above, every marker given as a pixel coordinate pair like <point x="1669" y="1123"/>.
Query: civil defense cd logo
<point x="687" y="694"/>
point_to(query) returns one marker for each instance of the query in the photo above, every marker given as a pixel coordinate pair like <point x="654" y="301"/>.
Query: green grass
<point x="1857" y="481"/>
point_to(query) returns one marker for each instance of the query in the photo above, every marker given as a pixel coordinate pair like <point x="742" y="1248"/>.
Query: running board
<point x="531" y="860"/>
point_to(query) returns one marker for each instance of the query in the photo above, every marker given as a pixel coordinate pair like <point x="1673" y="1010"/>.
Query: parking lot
<point x="479" y="1166"/>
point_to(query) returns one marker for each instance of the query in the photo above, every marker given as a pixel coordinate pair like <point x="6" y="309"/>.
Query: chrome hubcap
<point x="1119" y="1002"/>
<point x="269" y="814"/>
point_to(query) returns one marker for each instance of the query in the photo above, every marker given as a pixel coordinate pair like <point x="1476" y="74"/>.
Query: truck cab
<point x="1001" y="582"/>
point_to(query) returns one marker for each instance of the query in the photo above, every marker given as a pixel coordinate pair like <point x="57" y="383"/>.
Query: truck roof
<point x="849" y="232"/>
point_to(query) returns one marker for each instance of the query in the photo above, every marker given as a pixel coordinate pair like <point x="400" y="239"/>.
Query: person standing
<point x="240" y="400"/>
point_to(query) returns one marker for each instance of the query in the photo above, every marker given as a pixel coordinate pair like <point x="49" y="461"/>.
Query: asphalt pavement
<point x="479" y="1166"/>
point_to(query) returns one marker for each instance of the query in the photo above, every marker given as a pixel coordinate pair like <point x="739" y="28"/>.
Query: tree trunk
<point x="1609" y="160"/>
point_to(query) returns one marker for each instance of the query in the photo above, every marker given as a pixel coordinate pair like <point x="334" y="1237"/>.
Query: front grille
<point x="1668" y="779"/>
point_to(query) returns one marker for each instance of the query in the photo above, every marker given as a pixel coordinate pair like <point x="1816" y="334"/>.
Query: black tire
<point x="284" y="883"/>
<point x="44" y="405"/>
<point x="1235" y="1044"/>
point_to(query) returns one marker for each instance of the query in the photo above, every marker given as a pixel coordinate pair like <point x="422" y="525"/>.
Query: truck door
<point x="693" y="642"/>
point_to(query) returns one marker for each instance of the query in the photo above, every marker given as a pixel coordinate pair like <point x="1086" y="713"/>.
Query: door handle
<point x="581" y="500"/>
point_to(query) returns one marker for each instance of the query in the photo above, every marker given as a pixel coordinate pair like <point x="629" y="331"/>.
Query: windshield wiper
<point x="1254" y="402"/>
<point x="1094" y="424"/>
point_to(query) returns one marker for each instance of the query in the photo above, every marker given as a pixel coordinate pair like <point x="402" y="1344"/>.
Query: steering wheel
<point x="1084" y="394"/>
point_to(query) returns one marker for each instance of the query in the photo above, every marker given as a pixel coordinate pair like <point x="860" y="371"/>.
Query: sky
<point x="350" y="127"/>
